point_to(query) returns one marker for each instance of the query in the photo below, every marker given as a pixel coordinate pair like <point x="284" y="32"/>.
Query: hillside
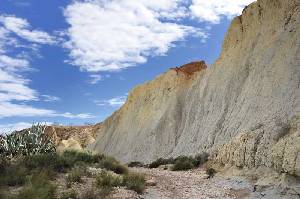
<point x="244" y="109"/>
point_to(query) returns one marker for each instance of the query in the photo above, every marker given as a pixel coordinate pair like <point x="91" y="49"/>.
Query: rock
<point x="238" y="109"/>
<point x="151" y="182"/>
<point x="166" y="166"/>
<point x="69" y="144"/>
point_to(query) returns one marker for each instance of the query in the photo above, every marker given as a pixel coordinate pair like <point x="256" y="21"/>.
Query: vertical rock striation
<point x="244" y="109"/>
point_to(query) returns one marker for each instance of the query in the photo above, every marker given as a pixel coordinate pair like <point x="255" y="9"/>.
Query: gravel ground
<point x="192" y="184"/>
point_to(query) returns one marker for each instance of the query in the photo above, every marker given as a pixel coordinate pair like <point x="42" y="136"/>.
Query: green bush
<point x="40" y="161"/>
<point x="135" y="182"/>
<point x="201" y="159"/>
<point x="161" y="161"/>
<point x="4" y="194"/>
<point x="184" y="163"/>
<point x="108" y="180"/>
<point x="90" y="193"/>
<point x="38" y="187"/>
<point x="135" y="164"/>
<point x="112" y="164"/>
<point x="75" y="175"/>
<point x="69" y="195"/>
<point x="210" y="172"/>
<point x="181" y="162"/>
<point x="13" y="175"/>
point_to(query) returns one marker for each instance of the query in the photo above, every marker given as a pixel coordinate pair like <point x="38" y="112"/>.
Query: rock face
<point x="72" y="137"/>
<point x="243" y="109"/>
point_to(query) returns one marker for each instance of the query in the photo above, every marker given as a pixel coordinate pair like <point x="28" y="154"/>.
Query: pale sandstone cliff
<point x="244" y="109"/>
<point x="72" y="137"/>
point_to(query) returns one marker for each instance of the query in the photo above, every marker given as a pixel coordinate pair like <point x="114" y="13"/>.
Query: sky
<point x="73" y="62"/>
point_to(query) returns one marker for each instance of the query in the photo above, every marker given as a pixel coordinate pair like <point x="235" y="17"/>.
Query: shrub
<point x="104" y="192"/>
<point x="184" y="163"/>
<point x="161" y="161"/>
<point x="181" y="162"/>
<point x="201" y="159"/>
<point x="13" y="175"/>
<point x="75" y="175"/>
<point x="135" y="164"/>
<point x="4" y="194"/>
<point x="70" y="158"/>
<point x="40" y="161"/>
<point x="134" y="182"/>
<point x="108" y="180"/>
<point x="89" y="193"/>
<point x="112" y="164"/>
<point x="210" y="172"/>
<point x="69" y="195"/>
<point x="38" y="187"/>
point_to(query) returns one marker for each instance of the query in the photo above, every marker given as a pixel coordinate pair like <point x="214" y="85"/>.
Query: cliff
<point x="244" y="110"/>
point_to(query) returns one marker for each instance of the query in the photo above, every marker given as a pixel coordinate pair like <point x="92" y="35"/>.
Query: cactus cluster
<point x="28" y="142"/>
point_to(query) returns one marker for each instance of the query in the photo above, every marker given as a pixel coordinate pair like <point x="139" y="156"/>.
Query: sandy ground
<point x="192" y="184"/>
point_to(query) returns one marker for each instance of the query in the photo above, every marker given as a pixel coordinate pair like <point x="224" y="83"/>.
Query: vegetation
<point x="107" y="180"/>
<point x="75" y="175"/>
<point x="69" y="194"/>
<point x="182" y="162"/>
<point x="29" y="142"/>
<point x="161" y="161"/>
<point x="38" y="187"/>
<point x="29" y="162"/>
<point x="91" y="193"/>
<point x="112" y="164"/>
<point x="135" y="164"/>
<point x="210" y="172"/>
<point x="135" y="182"/>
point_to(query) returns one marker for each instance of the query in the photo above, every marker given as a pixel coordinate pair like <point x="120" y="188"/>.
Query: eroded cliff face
<point x="72" y="137"/>
<point x="242" y="109"/>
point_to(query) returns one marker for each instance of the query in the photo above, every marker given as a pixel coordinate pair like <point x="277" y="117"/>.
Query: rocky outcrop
<point x="72" y="137"/>
<point x="255" y="148"/>
<point x="239" y="109"/>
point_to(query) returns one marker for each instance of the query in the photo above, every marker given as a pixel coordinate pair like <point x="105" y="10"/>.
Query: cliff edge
<point x="244" y="110"/>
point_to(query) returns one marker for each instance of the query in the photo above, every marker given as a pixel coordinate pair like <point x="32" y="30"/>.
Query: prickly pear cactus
<point x="28" y="142"/>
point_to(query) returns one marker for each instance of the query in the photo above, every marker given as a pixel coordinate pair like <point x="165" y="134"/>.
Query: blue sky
<point x="74" y="61"/>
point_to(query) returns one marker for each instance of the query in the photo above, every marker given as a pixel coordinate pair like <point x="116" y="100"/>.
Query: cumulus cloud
<point x="113" y="35"/>
<point x="212" y="11"/>
<point x="22" y="28"/>
<point x="114" y="102"/>
<point x="15" y="91"/>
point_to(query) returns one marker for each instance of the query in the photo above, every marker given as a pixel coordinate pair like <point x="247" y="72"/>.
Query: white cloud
<point x="49" y="98"/>
<point x="15" y="91"/>
<point x="115" y="102"/>
<point x="116" y="34"/>
<point x="8" y="109"/>
<point x="95" y="78"/>
<point x="213" y="10"/>
<point x="8" y="128"/>
<point x="72" y="116"/>
<point x="22" y="28"/>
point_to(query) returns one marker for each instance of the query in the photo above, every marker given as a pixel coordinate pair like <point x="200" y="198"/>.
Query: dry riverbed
<point x="195" y="184"/>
